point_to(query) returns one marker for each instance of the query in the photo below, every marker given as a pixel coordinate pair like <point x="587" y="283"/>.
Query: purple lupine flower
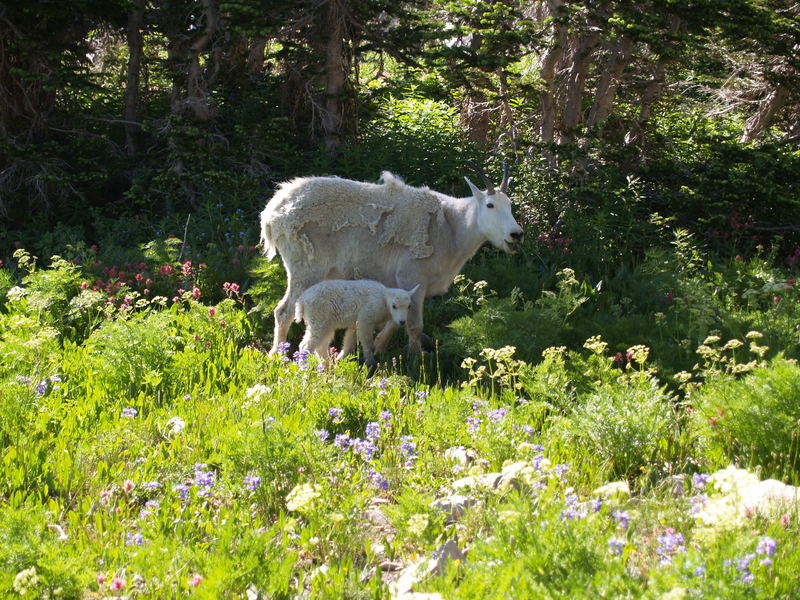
<point x="699" y="571"/>
<point x="301" y="358"/>
<point x="283" y="351"/>
<point x="766" y="545"/>
<point x="616" y="546"/>
<point x="697" y="502"/>
<point x="498" y="414"/>
<point x="152" y="504"/>
<point x="129" y="413"/>
<point x="341" y="441"/>
<point x="373" y="430"/>
<point x="151" y="485"/>
<point x="743" y="564"/>
<point x="559" y="470"/>
<point x="383" y="383"/>
<point x="700" y="480"/>
<point x="41" y="387"/>
<point x="473" y="424"/>
<point x="322" y="435"/>
<point x="596" y="504"/>
<point x="336" y="414"/>
<point x="422" y="395"/>
<point x="669" y="544"/>
<point x="251" y="482"/>
<point x="748" y="577"/>
<point x="386" y="415"/>
<point x="134" y="539"/>
<point x="181" y="489"/>
<point x="571" y="499"/>
<point x="528" y="430"/>
<point x="204" y="479"/>
<point x="409" y="448"/>
<point x="365" y="448"/>
<point x="378" y="480"/>
<point x="622" y="517"/>
<point x="23" y="379"/>
<point x="766" y="562"/>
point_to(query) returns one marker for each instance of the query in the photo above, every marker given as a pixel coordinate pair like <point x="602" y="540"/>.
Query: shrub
<point x="755" y="420"/>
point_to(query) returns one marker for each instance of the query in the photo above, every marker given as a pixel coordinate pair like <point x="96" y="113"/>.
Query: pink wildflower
<point x="195" y="580"/>
<point x="117" y="584"/>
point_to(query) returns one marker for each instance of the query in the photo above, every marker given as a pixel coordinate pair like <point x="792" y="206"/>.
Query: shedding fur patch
<point x="394" y="212"/>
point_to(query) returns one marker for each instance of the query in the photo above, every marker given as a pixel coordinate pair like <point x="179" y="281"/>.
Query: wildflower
<point x="373" y="430"/>
<point x="342" y="441"/>
<point x="559" y="470"/>
<point x="386" y="415"/>
<point x="528" y="429"/>
<point x="383" y="383"/>
<point x="151" y="485"/>
<point x="322" y="435"/>
<point x="101" y="578"/>
<point x="697" y="502"/>
<point x="302" y="497"/>
<point x="622" y="517"/>
<point x="596" y="504"/>
<point x="421" y="395"/>
<point x="616" y="545"/>
<point x="127" y="486"/>
<point x="336" y="414"/>
<point x="195" y="580"/>
<point x="129" y="413"/>
<point x="365" y="448"/>
<point x="41" y="387"/>
<point x="117" y="584"/>
<point x="25" y="580"/>
<point x="473" y="424"/>
<point x="212" y="311"/>
<point x="181" y="489"/>
<point x="301" y="358"/>
<point x="134" y="539"/>
<point x="700" y="480"/>
<point x="251" y="482"/>
<point x="766" y="562"/>
<point x="204" y="478"/>
<point x="498" y="414"/>
<point x="378" y="480"/>
<point x="766" y="545"/>
<point x="176" y="425"/>
<point x="699" y="571"/>
<point x="669" y="544"/>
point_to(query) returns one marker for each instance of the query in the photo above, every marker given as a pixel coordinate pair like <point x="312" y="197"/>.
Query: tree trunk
<point x="609" y="81"/>
<point x="197" y="102"/>
<point x="551" y="58"/>
<point x="135" y="46"/>
<point x="336" y="72"/>
<point x="576" y="83"/>
<point x="774" y="100"/>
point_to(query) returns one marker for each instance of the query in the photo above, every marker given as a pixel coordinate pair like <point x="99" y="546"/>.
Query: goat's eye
<point x="394" y="305"/>
<point x="490" y="205"/>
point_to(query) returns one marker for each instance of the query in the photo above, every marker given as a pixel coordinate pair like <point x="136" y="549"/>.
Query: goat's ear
<point x="476" y="193"/>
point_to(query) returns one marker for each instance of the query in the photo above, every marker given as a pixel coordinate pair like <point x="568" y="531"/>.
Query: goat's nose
<point x="517" y="236"/>
<point x="403" y="322"/>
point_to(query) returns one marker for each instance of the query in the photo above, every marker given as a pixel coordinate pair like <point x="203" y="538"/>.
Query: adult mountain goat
<point x="399" y="235"/>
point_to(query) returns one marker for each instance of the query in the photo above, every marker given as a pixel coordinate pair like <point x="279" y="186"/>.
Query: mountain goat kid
<point x="399" y="235"/>
<point x="361" y="305"/>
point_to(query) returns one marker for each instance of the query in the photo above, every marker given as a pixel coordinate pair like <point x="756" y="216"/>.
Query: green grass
<point x="159" y="446"/>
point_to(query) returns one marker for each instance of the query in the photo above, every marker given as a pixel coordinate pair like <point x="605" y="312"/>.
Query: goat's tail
<point x="298" y="312"/>
<point x="267" y="241"/>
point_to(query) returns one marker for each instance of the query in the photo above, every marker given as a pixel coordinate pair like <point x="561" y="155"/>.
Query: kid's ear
<point x="476" y="193"/>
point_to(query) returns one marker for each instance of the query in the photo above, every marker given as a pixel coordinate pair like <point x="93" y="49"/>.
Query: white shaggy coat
<point x="361" y="305"/>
